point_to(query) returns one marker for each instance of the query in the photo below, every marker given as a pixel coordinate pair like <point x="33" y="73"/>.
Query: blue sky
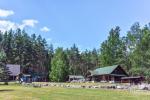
<point x="64" y="22"/>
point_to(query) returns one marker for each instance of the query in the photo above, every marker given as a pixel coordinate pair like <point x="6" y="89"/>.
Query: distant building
<point x="76" y="78"/>
<point x="105" y="74"/>
<point x="14" y="70"/>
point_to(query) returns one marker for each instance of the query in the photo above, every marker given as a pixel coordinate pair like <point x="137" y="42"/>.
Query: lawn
<point x="15" y="92"/>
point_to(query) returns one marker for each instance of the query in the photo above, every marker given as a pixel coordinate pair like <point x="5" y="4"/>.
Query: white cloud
<point x="7" y="25"/>
<point x="6" y="13"/>
<point x="28" y="22"/>
<point x="45" y="29"/>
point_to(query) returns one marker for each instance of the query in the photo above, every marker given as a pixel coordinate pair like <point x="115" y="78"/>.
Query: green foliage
<point x="74" y="59"/>
<point x="139" y="50"/>
<point x="81" y="62"/>
<point x="2" y="56"/>
<point x="4" y="73"/>
<point x="112" y="50"/>
<point x="89" y="61"/>
<point x="59" y="66"/>
<point x="27" y="51"/>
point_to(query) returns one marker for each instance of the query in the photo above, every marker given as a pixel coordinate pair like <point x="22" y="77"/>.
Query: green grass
<point x="14" y="92"/>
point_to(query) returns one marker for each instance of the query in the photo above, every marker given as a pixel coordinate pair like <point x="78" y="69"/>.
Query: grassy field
<point x="15" y="92"/>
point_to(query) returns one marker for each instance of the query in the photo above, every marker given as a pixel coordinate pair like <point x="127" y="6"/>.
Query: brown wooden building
<point x="132" y="80"/>
<point x="106" y="74"/>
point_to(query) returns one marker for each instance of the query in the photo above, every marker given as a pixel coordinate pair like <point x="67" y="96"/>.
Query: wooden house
<point x="106" y="74"/>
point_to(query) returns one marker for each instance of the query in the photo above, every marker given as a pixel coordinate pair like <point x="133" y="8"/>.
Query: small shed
<point x="75" y="77"/>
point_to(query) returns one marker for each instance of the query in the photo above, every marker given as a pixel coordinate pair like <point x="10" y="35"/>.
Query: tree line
<point x="35" y="55"/>
<point x="31" y="51"/>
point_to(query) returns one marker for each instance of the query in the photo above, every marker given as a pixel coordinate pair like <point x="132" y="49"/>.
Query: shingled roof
<point x="104" y="70"/>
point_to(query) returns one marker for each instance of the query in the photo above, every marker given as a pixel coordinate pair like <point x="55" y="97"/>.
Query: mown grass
<point x="14" y="92"/>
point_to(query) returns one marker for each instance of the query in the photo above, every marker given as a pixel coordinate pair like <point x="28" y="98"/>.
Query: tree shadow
<point x="6" y="90"/>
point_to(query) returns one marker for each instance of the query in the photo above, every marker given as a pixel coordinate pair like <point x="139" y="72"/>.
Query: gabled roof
<point x="104" y="70"/>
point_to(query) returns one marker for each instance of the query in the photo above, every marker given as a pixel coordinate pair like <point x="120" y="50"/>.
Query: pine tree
<point x="74" y="59"/>
<point x="4" y="73"/>
<point x="112" y="49"/>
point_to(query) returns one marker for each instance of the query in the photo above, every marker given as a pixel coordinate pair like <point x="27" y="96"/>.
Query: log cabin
<point x="108" y="74"/>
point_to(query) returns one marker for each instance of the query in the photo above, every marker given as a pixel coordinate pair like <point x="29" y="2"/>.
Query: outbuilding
<point x="76" y="78"/>
<point x="132" y="80"/>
